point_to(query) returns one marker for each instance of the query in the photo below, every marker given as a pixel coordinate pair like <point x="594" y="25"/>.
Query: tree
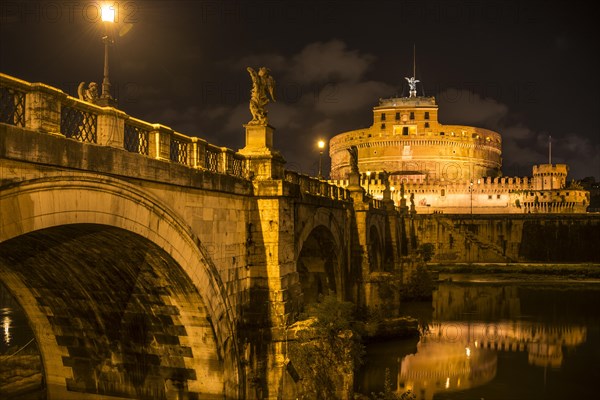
<point x="419" y="286"/>
<point x="327" y="350"/>
<point x="426" y="251"/>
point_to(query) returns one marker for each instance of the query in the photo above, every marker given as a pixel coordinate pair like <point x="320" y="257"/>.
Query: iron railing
<point x="12" y="106"/>
<point x="235" y="165"/>
<point x="178" y="151"/>
<point x="78" y="124"/>
<point x="135" y="139"/>
<point x="211" y="159"/>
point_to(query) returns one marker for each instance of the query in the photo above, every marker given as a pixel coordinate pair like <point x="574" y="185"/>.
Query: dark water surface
<point x="496" y="340"/>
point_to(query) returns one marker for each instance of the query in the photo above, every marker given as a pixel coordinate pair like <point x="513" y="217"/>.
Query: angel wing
<point x="81" y="91"/>
<point x="271" y="87"/>
<point x="253" y="75"/>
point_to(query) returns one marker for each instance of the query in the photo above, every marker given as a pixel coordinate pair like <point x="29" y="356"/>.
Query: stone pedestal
<point x="354" y="182"/>
<point x="43" y="108"/>
<point x="263" y="161"/>
<point x="259" y="136"/>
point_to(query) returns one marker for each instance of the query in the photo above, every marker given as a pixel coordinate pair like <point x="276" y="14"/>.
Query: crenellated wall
<point x="499" y="195"/>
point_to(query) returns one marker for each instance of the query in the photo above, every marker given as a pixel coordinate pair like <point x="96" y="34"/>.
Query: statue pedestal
<point x="259" y="137"/>
<point x="354" y="182"/>
<point x="263" y="161"/>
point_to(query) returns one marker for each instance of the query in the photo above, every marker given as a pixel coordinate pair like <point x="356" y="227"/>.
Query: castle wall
<point x="514" y="238"/>
<point x="506" y="195"/>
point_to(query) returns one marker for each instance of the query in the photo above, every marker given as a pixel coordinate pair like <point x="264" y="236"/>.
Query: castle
<point x="436" y="168"/>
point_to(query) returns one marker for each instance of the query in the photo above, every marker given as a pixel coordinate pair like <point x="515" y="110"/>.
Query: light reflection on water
<point x="5" y="313"/>
<point x="491" y="341"/>
<point x="6" y="331"/>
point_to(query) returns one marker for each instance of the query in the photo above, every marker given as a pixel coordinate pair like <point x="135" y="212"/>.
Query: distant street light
<point x="107" y="13"/>
<point x="471" y="193"/>
<point x="321" y="145"/>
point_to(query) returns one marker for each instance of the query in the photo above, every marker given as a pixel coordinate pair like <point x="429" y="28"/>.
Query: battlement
<point x="550" y="169"/>
<point x="407" y="102"/>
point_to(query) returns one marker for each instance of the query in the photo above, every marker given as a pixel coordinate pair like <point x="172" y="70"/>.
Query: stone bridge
<point x="155" y="265"/>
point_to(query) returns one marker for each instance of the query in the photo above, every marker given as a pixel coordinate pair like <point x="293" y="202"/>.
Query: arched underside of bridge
<point x="121" y="297"/>
<point x="319" y="265"/>
<point x="375" y="250"/>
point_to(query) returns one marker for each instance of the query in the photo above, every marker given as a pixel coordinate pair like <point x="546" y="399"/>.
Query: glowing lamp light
<point x="468" y="351"/>
<point x="321" y="144"/>
<point x="107" y="13"/>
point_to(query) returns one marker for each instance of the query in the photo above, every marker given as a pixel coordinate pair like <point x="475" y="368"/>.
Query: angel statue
<point x="386" y="179"/>
<point x="353" y="151"/>
<point x="412" y="84"/>
<point x="263" y="88"/>
<point x="90" y="94"/>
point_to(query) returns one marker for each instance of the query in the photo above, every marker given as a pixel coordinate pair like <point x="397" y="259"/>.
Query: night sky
<point x="524" y="69"/>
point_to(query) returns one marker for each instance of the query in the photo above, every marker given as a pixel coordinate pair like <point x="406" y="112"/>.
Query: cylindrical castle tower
<point x="549" y="177"/>
<point x="407" y="139"/>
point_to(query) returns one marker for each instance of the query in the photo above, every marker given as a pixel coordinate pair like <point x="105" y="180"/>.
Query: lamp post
<point x="107" y="13"/>
<point x="471" y="193"/>
<point x="321" y="145"/>
<point x="368" y="182"/>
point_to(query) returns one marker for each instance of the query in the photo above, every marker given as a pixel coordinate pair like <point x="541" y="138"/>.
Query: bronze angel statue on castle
<point x="263" y="88"/>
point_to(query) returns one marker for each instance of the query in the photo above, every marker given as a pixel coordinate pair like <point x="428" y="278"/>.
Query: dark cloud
<point x="525" y="69"/>
<point x="522" y="146"/>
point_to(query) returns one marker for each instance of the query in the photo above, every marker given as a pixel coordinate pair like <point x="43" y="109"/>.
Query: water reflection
<point x="496" y="341"/>
<point x="20" y="360"/>
<point x="455" y="356"/>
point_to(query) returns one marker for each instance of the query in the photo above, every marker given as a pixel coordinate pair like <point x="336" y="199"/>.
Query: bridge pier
<point x="275" y="295"/>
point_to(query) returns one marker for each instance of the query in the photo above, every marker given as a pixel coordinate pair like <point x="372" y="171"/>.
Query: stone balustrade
<point x="49" y="110"/>
<point x="317" y="187"/>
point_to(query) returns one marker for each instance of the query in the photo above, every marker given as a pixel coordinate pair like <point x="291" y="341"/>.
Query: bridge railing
<point x="46" y="109"/>
<point x="79" y="120"/>
<point x="317" y="187"/>
<point x="12" y="101"/>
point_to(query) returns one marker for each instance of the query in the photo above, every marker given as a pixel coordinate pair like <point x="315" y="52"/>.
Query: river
<point x="489" y="339"/>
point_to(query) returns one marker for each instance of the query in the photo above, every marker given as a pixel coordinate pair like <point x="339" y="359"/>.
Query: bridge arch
<point x="375" y="250"/>
<point x="47" y="203"/>
<point x="320" y="256"/>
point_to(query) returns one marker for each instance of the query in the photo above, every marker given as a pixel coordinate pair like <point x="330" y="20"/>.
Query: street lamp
<point x="321" y="145"/>
<point x="368" y="181"/>
<point x="107" y="13"/>
<point x="471" y="192"/>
